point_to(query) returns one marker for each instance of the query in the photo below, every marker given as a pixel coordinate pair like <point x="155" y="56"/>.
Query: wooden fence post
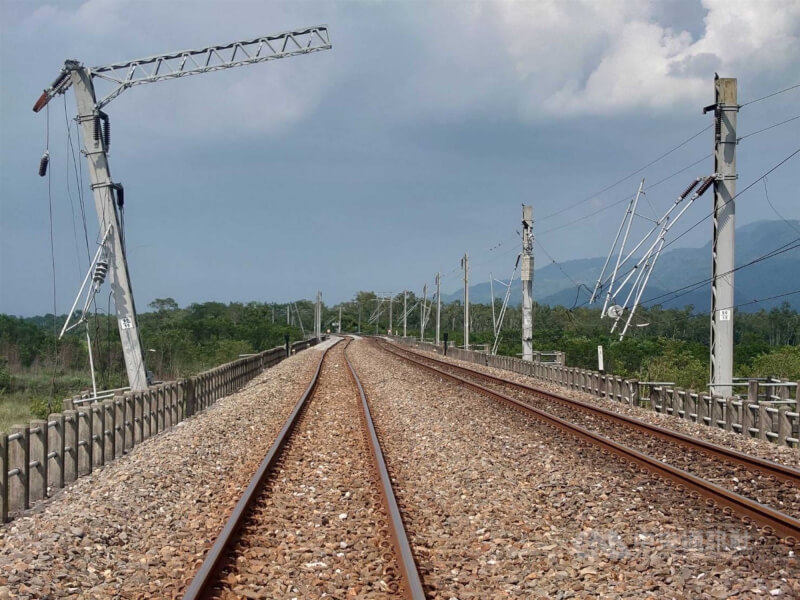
<point x="18" y="459"/>
<point x="120" y="428"/>
<point x="71" y="448"/>
<point x="98" y="434"/>
<point x="37" y="476"/>
<point x="730" y="412"/>
<point x="56" y="442"/>
<point x="784" y="426"/>
<point x="3" y="477"/>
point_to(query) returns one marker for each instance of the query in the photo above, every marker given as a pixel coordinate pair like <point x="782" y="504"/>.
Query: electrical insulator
<point x="704" y="186"/>
<point x="718" y="123"/>
<point x="97" y="129"/>
<point x="106" y="133"/>
<point x="100" y="272"/>
<point x="689" y="188"/>
<point x="43" y="163"/>
<point x="120" y="194"/>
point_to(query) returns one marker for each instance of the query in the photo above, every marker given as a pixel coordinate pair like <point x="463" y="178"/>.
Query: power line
<point x="797" y="85"/>
<point x="626" y="198"/>
<point x="773" y="126"/>
<point x="732" y="198"/>
<point x="693" y="286"/>
<point x="755" y="301"/>
<point x="775" y="210"/>
<point x="628" y="176"/>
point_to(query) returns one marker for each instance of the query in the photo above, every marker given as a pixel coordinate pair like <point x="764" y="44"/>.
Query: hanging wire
<point x="628" y="176"/>
<point x="53" y="264"/>
<point x="78" y="170"/>
<point x="625" y="199"/>
<point x="775" y="210"/>
<point x="797" y="85"/>
<point x="69" y="195"/>
<point x="773" y="126"/>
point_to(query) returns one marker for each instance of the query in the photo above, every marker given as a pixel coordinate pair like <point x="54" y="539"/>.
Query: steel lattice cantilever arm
<point x="126" y="74"/>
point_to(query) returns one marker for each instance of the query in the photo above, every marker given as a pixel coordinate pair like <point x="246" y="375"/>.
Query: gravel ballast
<point x="751" y="483"/>
<point x="498" y="505"/>
<point x="318" y="528"/>
<point x="736" y="441"/>
<point x="140" y="526"/>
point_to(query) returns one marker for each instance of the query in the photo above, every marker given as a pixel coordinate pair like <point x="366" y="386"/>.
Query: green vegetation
<point x="668" y="345"/>
<point x="35" y="373"/>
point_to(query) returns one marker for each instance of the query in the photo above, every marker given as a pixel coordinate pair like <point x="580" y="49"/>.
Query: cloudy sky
<point x="380" y="162"/>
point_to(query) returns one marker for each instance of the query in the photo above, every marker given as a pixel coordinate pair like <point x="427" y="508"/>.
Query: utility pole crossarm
<point x="123" y="75"/>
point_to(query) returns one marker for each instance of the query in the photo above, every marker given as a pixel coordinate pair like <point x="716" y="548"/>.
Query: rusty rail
<point x="767" y="467"/>
<point x="204" y="578"/>
<point x="412" y="582"/>
<point x="771" y="520"/>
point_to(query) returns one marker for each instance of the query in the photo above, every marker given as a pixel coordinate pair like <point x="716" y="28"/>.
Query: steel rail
<point x="201" y="584"/>
<point x="771" y="520"/>
<point x="412" y="583"/>
<point x="767" y="467"/>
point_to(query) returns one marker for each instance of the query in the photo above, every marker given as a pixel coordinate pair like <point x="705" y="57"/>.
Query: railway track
<point x="319" y="516"/>
<point x="701" y="468"/>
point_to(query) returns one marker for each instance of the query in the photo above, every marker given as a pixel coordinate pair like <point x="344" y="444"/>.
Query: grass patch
<point x="14" y="409"/>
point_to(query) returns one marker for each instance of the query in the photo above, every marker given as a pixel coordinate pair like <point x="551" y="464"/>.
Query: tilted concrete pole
<point x="526" y="278"/>
<point x="465" y="264"/>
<point x="101" y="184"/>
<point x="722" y="245"/>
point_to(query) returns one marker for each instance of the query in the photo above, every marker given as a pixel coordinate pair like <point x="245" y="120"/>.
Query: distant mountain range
<point x="555" y="285"/>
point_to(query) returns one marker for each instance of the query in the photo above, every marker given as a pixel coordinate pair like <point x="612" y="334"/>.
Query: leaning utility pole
<point x="318" y="317"/>
<point x="405" y="312"/>
<point x="526" y="276"/>
<point x="94" y="122"/>
<point x="465" y="264"/>
<point x="722" y="246"/>
<point x="438" y="308"/>
<point x="422" y="313"/>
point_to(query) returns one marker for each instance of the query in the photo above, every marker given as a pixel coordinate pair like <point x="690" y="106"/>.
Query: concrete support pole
<point x="422" y="313"/>
<point x="526" y="277"/>
<point x="405" y="312"/>
<point x="722" y="245"/>
<point x="339" y="326"/>
<point x="438" y="307"/>
<point x="465" y="265"/>
<point x="37" y="478"/>
<point x="102" y="186"/>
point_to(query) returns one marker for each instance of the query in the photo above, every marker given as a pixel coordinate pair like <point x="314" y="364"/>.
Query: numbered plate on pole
<point x="725" y="314"/>
<point x="126" y="323"/>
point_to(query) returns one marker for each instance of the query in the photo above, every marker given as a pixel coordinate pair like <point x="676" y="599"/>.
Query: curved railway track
<point x="716" y="464"/>
<point x="226" y="553"/>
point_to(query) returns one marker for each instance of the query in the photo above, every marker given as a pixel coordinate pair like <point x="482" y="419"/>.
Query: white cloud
<point x="554" y="58"/>
<point x="530" y="60"/>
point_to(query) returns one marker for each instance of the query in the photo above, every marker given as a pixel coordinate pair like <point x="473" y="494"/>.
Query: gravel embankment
<point x="498" y="505"/>
<point x="314" y="532"/>
<point x="140" y="526"/>
<point x="751" y="483"/>
<point x="754" y="447"/>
